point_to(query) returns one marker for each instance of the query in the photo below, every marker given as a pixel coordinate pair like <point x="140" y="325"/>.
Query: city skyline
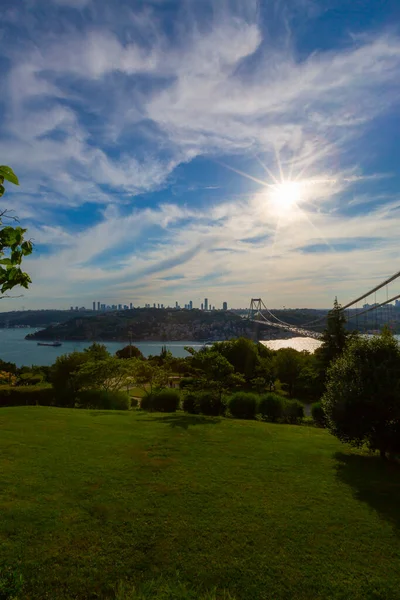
<point x="248" y="148"/>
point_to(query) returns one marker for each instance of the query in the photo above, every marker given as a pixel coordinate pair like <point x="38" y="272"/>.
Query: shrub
<point x="243" y="405"/>
<point x="271" y="407"/>
<point x="166" y="400"/>
<point x="27" y="396"/>
<point x="146" y="403"/>
<point x="134" y="402"/>
<point x="211" y="404"/>
<point x="318" y="414"/>
<point x="190" y="403"/>
<point x="104" y="400"/>
<point x="293" y="411"/>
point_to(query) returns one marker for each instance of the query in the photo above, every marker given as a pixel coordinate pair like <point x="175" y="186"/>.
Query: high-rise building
<point x="201" y="306"/>
<point x="103" y="306"/>
<point x="98" y="306"/>
<point x="94" y="305"/>
<point x="131" y="305"/>
<point x="76" y="307"/>
<point x="158" y="305"/>
<point x="72" y="308"/>
<point x="191" y="305"/>
<point x="119" y="306"/>
<point x="224" y="306"/>
<point x="205" y="303"/>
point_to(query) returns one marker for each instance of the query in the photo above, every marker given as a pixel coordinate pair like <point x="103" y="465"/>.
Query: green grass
<point x="177" y="506"/>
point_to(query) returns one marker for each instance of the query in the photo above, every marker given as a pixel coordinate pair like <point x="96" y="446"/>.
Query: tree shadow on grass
<point x="374" y="481"/>
<point x="185" y="421"/>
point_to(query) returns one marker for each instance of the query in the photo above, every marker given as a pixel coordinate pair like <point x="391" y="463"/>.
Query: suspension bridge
<point x="369" y="317"/>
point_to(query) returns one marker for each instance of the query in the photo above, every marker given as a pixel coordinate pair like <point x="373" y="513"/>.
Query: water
<point x="298" y="343"/>
<point x="14" y="348"/>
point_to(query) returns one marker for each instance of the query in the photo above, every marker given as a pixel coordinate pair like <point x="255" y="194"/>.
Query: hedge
<point x="163" y="401"/>
<point x="271" y="407"/>
<point x="318" y="414"/>
<point x="104" y="400"/>
<point x="29" y="395"/>
<point x="243" y="405"/>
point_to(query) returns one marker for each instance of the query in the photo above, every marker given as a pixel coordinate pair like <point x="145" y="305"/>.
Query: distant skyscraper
<point x="205" y="303"/>
<point x="94" y="305"/>
<point x="158" y="305"/>
<point x="201" y="306"/>
<point x="72" y="308"/>
<point x="191" y="305"/>
<point x="119" y="306"/>
<point x="98" y="306"/>
<point x="224" y="306"/>
<point x="76" y="307"/>
<point x="176" y="304"/>
<point x="130" y="306"/>
<point x="103" y="306"/>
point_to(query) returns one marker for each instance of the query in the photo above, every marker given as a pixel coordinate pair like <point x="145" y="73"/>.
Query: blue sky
<point x="175" y="150"/>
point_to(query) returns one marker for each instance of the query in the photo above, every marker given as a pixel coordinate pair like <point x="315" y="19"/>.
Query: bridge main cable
<point x="375" y="289"/>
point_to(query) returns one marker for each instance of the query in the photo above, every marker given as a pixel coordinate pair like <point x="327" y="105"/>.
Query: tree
<point x="63" y="378"/>
<point x="214" y="372"/>
<point x="97" y="352"/>
<point x="108" y="374"/>
<point x="362" y="398"/>
<point x="242" y="355"/>
<point x="334" y="338"/>
<point x="129" y="352"/>
<point x="149" y="377"/>
<point x="13" y="246"/>
<point x="288" y="367"/>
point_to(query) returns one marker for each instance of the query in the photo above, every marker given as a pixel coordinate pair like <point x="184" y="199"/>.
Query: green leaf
<point x="6" y="261"/>
<point x="9" y="174"/>
<point x="2" y="190"/>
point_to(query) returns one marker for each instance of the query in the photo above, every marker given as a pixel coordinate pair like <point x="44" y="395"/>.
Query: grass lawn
<point x="257" y="511"/>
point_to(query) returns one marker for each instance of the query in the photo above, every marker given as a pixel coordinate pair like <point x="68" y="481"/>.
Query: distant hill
<point x="37" y="318"/>
<point x="149" y="324"/>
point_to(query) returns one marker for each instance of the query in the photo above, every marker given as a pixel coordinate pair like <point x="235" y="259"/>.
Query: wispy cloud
<point x="108" y="107"/>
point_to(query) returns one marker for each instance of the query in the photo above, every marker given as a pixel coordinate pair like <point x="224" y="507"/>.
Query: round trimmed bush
<point x="293" y="411"/>
<point x="186" y="382"/>
<point x="166" y="401"/>
<point x="190" y="403"/>
<point x="243" y="405"/>
<point x="271" y="407"/>
<point x="318" y="414"/>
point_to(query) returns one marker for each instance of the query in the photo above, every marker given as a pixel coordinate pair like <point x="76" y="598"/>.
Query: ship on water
<point x="54" y="344"/>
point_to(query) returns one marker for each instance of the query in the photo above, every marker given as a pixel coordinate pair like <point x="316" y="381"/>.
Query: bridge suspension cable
<point x="375" y="289"/>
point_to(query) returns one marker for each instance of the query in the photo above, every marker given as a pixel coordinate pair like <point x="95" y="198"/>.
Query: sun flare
<point x="286" y="196"/>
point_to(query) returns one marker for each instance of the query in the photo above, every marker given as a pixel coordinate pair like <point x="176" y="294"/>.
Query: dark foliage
<point x="104" y="400"/>
<point x="129" y="352"/>
<point x="271" y="407"/>
<point x="166" y="401"/>
<point x="8" y="367"/>
<point x="362" y="398"/>
<point x="27" y="396"/>
<point x="293" y="411"/>
<point x="243" y="405"/>
<point x="190" y="403"/>
<point x="318" y="414"/>
<point x="186" y="382"/>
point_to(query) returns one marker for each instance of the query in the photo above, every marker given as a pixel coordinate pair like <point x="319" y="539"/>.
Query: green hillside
<point x="89" y="499"/>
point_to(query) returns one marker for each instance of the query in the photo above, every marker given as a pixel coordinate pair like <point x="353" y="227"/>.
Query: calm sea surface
<point x="15" y="348"/>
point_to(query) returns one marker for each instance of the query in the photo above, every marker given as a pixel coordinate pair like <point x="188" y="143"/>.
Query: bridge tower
<point x="255" y="307"/>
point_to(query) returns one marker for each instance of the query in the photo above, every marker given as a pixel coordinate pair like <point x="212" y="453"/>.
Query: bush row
<point x="46" y="396"/>
<point x="27" y="396"/>
<point x="271" y="407"/>
<point x="242" y="405"/>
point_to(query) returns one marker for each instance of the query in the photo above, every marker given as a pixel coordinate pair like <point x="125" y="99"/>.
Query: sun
<point x="285" y="196"/>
